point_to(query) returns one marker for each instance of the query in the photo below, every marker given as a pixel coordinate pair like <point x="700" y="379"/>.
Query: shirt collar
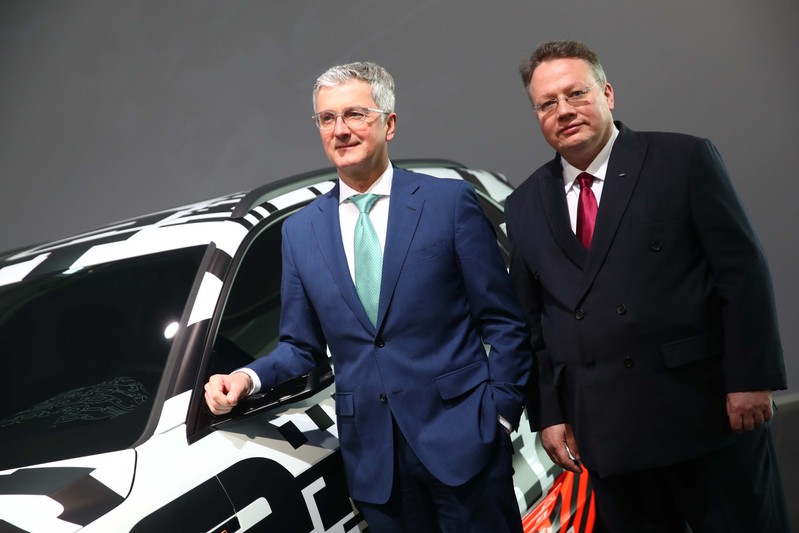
<point x="598" y="166"/>
<point x="381" y="187"/>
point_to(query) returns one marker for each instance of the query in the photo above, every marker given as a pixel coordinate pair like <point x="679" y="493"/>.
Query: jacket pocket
<point x="345" y="404"/>
<point x="693" y="349"/>
<point x="428" y="251"/>
<point x="453" y="384"/>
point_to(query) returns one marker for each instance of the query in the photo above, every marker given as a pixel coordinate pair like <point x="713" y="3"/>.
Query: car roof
<point x="207" y="221"/>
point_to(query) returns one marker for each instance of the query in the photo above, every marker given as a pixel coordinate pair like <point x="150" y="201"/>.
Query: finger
<point x="748" y="422"/>
<point x="573" y="451"/>
<point x="571" y="464"/>
<point x="571" y="444"/>
<point x="214" y="390"/>
<point x="212" y="402"/>
<point x="560" y="461"/>
<point x="574" y="460"/>
<point x="560" y="456"/>
<point x="736" y="423"/>
<point x="219" y="408"/>
<point x="216" y="400"/>
<point x="236" y="390"/>
<point x="232" y="398"/>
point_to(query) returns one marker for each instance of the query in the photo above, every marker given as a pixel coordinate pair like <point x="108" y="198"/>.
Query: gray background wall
<point x="112" y="108"/>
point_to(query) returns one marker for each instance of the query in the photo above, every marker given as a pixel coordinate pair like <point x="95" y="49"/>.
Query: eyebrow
<point x="571" y="87"/>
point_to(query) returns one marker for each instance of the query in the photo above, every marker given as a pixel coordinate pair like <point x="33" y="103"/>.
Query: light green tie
<point x="368" y="257"/>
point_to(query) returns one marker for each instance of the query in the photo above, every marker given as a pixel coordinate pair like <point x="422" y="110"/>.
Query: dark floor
<point x="786" y="439"/>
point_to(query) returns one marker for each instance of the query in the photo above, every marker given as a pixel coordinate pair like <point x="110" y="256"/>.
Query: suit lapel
<point x="327" y="229"/>
<point x="624" y="167"/>
<point x="404" y="212"/>
<point x="557" y="214"/>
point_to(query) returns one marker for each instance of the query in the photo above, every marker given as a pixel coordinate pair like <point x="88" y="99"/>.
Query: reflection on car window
<point x="86" y="351"/>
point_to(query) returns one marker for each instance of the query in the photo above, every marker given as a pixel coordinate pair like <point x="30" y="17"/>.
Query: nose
<point x="565" y="109"/>
<point x="340" y="127"/>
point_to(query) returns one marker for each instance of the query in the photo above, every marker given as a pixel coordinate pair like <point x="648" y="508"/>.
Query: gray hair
<point x="560" y="50"/>
<point x="376" y="76"/>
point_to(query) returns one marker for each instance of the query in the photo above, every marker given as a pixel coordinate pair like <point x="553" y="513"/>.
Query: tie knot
<point x="585" y="180"/>
<point x="364" y="202"/>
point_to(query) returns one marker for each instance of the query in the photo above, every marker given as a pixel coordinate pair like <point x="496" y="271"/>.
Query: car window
<point x="83" y="353"/>
<point x="250" y="321"/>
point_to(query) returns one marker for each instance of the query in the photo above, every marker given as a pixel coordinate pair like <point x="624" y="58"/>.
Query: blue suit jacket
<point x="444" y="293"/>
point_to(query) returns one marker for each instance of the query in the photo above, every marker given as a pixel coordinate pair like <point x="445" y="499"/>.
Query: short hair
<point x="377" y="77"/>
<point x="560" y="50"/>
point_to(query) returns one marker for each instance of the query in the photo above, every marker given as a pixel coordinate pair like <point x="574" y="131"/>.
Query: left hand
<point x="748" y="410"/>
<point x="561" y="446"/>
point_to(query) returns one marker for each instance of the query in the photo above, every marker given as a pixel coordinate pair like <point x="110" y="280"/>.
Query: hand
<point x="560" y="445"/>
<point x="223" y="391"/>
<point x="748" y="410"/>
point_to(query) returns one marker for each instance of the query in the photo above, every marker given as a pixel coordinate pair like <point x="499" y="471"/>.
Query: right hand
<point x="223" y="391"/>
<point x="555" y="439"/>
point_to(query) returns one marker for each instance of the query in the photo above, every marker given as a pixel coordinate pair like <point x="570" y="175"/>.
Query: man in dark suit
<point x="424" y="413"/>
<point x="652" y="314"/>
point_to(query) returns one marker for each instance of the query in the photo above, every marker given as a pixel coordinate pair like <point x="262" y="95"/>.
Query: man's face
<point x="359" y="153"/>
<point x="577" y="132"/>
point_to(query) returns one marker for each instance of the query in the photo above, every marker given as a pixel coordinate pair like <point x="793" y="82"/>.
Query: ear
<point x="391" y="126"/>
<point x="609" y="95"/>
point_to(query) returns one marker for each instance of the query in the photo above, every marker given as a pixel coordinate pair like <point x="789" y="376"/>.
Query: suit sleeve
<point x="542" y="403"/>
<point x="753" y="357"/>
<point x="494" y="308"/>
<point x="302" y="345"/>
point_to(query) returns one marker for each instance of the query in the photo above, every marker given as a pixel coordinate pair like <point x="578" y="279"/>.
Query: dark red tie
<point x="586" y="209"/>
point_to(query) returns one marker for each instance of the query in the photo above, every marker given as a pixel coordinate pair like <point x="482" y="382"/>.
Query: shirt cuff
<point x="501" y="421"/>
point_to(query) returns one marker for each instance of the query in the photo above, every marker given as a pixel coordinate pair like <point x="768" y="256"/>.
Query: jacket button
<point x="579" y="314"/>
<point x="589" y="363"/>
<point x="383" y="398"/>
<point x="628" y="362"/>
<point x="655" y="245"/>
<point x="380" y="343"/>
<point x="620" y="310"/>
<point x="536" y="276"/>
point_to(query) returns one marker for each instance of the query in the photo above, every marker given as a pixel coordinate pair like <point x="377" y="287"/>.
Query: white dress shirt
<point x="598" y="168"/>
<point x="348" y="214"/>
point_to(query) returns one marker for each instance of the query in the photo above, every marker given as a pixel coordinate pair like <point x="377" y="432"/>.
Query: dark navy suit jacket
<point x="445" y="292"/>
<point x="639" y="340"/>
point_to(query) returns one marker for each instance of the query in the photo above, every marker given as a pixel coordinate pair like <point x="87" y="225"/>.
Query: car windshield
<point x="83" y="353"/>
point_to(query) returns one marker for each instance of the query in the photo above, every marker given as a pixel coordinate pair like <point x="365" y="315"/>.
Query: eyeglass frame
<point x="367" y="112"/>
<point x="568" y="99"/>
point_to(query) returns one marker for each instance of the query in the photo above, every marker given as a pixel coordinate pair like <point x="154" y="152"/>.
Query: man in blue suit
<point x="424" y="412"/>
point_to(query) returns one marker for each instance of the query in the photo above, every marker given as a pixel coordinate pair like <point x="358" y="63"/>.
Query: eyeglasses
<point x="576" y="98"/>
<point x="353" y="117"/>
